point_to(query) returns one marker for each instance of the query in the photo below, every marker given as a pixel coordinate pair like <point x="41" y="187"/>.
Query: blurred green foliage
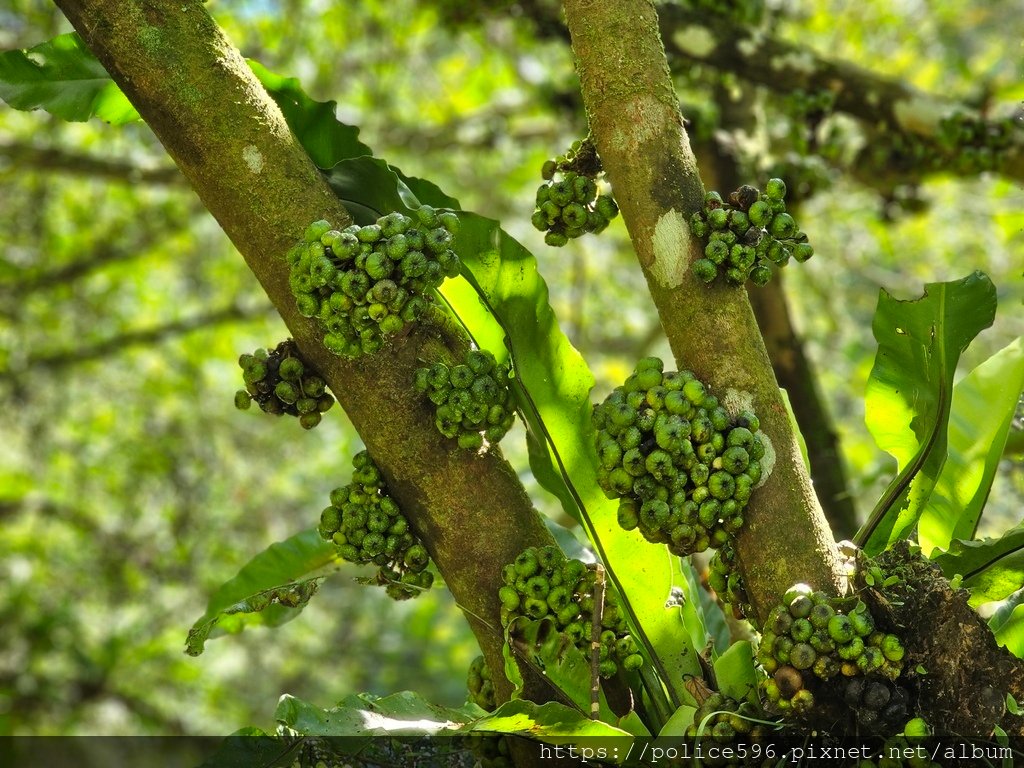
<point x="130" y="487"/>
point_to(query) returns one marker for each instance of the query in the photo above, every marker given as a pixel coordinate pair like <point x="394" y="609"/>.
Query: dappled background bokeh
<point x="130" y="487"/>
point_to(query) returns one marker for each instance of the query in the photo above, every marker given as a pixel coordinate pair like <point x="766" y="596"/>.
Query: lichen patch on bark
<point x="253" y="158"/>
<point x="920" y="114"/>
<point x="797" y="61"/>
<point x="736" y="400"/>
<point x="669" y="243"/>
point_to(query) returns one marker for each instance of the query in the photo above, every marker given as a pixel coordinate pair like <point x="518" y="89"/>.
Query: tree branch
<point x="23" y="155"/>
<point x="895" y="109"/>
<point x="76" y="355"/>
<point x="231" y="142"/>
<point x="635" y="122"/>
<point x="105" y="250"/>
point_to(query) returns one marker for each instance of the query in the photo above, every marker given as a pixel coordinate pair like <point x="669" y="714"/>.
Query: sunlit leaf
<point x="271" y="589"/>
<point x="677" y="724"/>
<point x="979" y="421"/>
<point x="734" y="671"/>
<point x="62" y="77"/>
<point x="1007" y="624"/>
<point x="991" y="568"/>
<point x="909" y="392"/>
<point x="555" y="398"/>
<point x="553" y="723"/>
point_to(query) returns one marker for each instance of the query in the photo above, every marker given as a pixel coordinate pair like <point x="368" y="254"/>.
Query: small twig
<point x="595" y="643"/>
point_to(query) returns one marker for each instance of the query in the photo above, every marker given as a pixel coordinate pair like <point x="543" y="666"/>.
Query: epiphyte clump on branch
<point x="542" y="582"/>
<point x="747" y="234"/>
<point x="683" y="467"/>
<point x="368" y="526"/>
<point x="281" y="382"/>
<point x="473" y="401"/>
<point x="568" y="203"/>
<point x="366" y="283"/>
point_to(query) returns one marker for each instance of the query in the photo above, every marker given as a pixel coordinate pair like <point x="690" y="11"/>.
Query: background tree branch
<point x="24" y="155"/>
<point x="66" y="358"/>
<point x="897" y="110"/>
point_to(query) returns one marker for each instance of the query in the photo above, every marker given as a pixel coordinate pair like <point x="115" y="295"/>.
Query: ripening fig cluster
<point x="975" y="144"/>
<point x="543" y="582"/>
<point x="723" y="721"/>
<point x="365" y="283"/>
<point x="683" y="467"/>
<point x="744" y="236"/>
<point x="568" y="204"/>
<point x="879" y="705"/>
<point x="480" y="685"/>
<point x="281" y="382"/>
<point x="473" y="401"/>
<point x="368" y="527"/>
<point x="811" y="637"/>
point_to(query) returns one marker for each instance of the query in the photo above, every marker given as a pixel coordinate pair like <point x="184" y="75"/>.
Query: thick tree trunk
<point x="231" y="142"/>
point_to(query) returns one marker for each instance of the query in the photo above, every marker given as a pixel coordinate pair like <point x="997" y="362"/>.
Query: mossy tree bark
<point x="636" y="125"/>
<point x="231" y="142"/>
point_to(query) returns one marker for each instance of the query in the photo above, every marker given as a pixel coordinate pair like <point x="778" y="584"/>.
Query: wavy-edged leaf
<point x="427" y="192"/>
<point x="326" y="139"/>
<point x="1007" y="624"/>
<point x="62" y="77"/>
<point x="991" y="568"/>
<point x="979" y="422"/>
<point x="370" y="188"/>
<point x="909" y="392"/>
<point x="284" y="572"/>
<point x="555" y="399"/>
